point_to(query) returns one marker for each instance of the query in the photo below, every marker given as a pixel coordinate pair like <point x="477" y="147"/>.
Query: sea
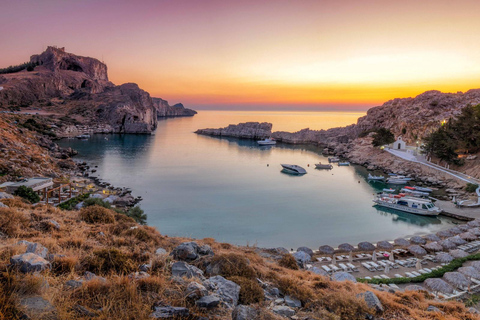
<point x="235" y="191"/>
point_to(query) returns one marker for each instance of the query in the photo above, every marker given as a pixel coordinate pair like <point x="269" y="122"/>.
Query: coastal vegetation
<point x="29" y="66"/>
<point x="471" y="187"/>
<point x="382" y="136"/>
<point x="27" y="194"/>
<point x="455" y="136"/>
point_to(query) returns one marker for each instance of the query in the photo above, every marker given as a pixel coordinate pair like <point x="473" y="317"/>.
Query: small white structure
<point x="399" y="144"/>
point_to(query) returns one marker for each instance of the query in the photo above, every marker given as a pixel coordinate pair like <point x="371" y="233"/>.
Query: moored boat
<point x="267" y="142"/>
<point x="375" y="178"/>
<point x="414" y="193"/>
<point x="422" y="189"/>
<point x="323" y="166"/>
<point x="397" y="181"/>
<point x="293" y="168"/>
<point x="333" y="159"/>
<point x="343" y="164"/>
<point x="424" y="207"/>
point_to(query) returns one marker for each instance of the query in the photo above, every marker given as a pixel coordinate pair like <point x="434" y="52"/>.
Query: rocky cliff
<point x="177" y="110"/>
<point x="248" y="130"/>
<point x="69" y="85"/>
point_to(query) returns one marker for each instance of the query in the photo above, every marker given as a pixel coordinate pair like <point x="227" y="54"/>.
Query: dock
<point x="460" y="213"/>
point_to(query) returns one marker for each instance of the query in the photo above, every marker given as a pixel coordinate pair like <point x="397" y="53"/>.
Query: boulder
<point x="168" y="312"/>
<point x="343" y="276"/>
<point x="283" y="311"/>
<point x="160" y="252"/>
<point x="37" y="249"/>
<point x="227" y="290"/>
<point x="74" y="283"/>
<point x="205" y="250"/>
<point x="292" y="302"/>
<point x="37" y="307"/>
<point x="208" y="302"/>
<point x="145" y="267"/>
<point x="90" y="276"/>
<point x="187" y="251"/>
<point x="302" y="258"/>
<point x="138" y="275"/>
<point x="372" y="301"/>
<point x="242" y="312"/>
<point x="195" y="291"/>
<point x="183" y="269"/>
<point x="4" y="195"/>
<point x="29" y="262"/>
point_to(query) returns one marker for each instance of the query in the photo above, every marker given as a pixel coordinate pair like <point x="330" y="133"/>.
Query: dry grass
<point x="250" y="290"/>
<point x="288" y="261"/>
<point x="12" y="221"/>
<point x="97" y="214"/>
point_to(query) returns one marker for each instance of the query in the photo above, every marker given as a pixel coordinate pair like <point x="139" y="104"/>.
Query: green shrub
<point x="471" y="187"/>
<point x="71" y="203"/>
<point x="137" y="214"/>
<point x="96" y="202"/>
<point x="27" y="194"/>
<point x="382" y="137"/>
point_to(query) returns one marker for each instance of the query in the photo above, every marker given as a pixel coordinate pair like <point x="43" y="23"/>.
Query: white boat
<point x="293" y="168"/>
<point x="333" y="159"/>
<point x="414" y="193"/>
<point x="422" y="189"/>
<point x="267" y="142"/>
<point x="423" y="207"/>
<point x="343" y="164"/>
<point x="83" y="136"/>
<point x="400" y="177"/>
<point x="397" y="181"/>
<point x="323" y="166"/>
<point x="389" y="190"/>
<point x="375" y="178"/>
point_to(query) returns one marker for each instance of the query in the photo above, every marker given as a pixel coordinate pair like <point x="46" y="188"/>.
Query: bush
<point x="471" y="187"/>
<point x="250" y="290"/>
<point x="232" y="265"/>
<point x="97" y="214"/>
<point x="109" y="260"/>
<point x="137" y="214"/>
<point x="96" y="202"/>
<point x="71" y="203"/>
<point x="288" y="261"/>
<point x="382" y="137"/>
<point x="27" y="194"/>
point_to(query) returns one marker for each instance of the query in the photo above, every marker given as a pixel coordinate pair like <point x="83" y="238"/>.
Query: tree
<point x="137" y="214"/>
<point x="382" y="137"/>
<point x="27" y="194"/>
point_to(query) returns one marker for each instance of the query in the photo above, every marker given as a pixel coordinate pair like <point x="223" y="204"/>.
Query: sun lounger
<point x="327" y="269"/>
<point x="368" y="255"/>
<point x="427" y="269"/>
<point x="369" y="278"/>
<point x="416" y="274"/>
<point x="351" y="266"/>
<point x="476" y="281"/>
<point x="377" y="277"/>
<point x="328" y="259"/>
<point x="368" y="267"/>
<point x="409" y="275"/>
<point x="359" y="256"/>
<point x="398" y="275"/>
<point x="334" y="268"/>
<point x="382" y="263"/>
<point x="376" y="266"/>
<point x="384" y="276"/>
<point x="344" y="267"/>
<point x="422" y="271"/>
<point x="394" y="286"/>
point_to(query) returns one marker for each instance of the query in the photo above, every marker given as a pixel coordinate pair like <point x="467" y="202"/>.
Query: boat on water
<point x="397" y="181"/>
<point x="267" y="142"/>
<point x="414" y="192"/>
<point x="333" y="159"/>
<point x="83" y="136"/>
<point x="402" y="202"/>
<point x="293" y="168"/>
<point x="375" y="178"/>
<point x="343" y="164"/>
<point x="323" y="166"/>
<point x="422" y="189"/>
<point x="389" y="190"/>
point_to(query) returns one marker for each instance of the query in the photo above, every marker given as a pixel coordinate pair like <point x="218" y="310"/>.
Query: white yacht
<point x="423" y="207"/>
<point x="293" y="168"/>
<point x="267" y="142"/>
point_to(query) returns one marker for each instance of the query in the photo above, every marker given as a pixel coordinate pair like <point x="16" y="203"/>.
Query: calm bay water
<point x="234" y="191"/>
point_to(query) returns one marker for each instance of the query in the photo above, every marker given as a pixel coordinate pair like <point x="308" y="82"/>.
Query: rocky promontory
<point x="165" y="110"/>
<point x="247" y="130"/>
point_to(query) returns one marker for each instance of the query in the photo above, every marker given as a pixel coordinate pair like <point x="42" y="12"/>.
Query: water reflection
<point x="407" y="218"/>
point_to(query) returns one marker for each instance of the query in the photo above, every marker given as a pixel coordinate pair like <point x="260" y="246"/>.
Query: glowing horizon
<point x="296" y="55"/>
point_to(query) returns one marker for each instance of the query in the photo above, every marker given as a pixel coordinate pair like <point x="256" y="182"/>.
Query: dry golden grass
<point x="288" y="261"/>
<point x="97" y="214"/>
<point x="12" y="221"/>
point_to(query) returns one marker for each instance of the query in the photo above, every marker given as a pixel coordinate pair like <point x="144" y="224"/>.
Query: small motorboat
<point x="375" y="178"/>
<point x="293" y="168"/>
<point x="266" y="142"/>
<point x="343" y="164"/>
<point x="397" y="181"/>
<point x="414" y="193"/>
<point x="422" y="189"/>
<point x="83" y="136"/>
<point x="323" y="166"/>
<point x="389" y="190"/>
<point x="333" y="159"/>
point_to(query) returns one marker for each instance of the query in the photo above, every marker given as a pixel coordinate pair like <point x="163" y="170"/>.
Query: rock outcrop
<point x="165" y="110"/>
<point x="248" y="130"/>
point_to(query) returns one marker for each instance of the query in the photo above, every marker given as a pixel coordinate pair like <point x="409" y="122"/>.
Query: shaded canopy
<point x="417" y="240"/>
<point x="455" y="230"/>
<point x="475" y="231"/>
<point x="414" y="287"/>
<point x="417" y="250"/>
<point x="457" y="240"/>
<point x="326" y="249"/>
<point x="346" y="247"/>
<point x="432" y="237"/>
<point x="468" y="236"/>
<point x="401" y="242"/>
<point x="444" y="234"/>
<point x="384" y="245"/>
<point x="470" y="272"/>
<point x="447" y="244"/>
<point x="438" y="285"/>
<point x="366" y="246"/>
<point x="476" y="265"/>
<point x="319" y="271"/>
<point x="444" y="258"/>
<point x="464" y="227"/>
<point x="433" y="246"/>
<point x="343" y="276"/>
<point x="456" y="279"/>
<point x="474" y="223"/>
<point x="457" y="253"/>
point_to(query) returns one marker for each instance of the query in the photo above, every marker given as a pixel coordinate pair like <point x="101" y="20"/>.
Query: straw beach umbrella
<point x="346" y="247"/>
<point x="414" y="287"/>
<point x="384" y="245"/>
<point x="433" y="246"/>
<point x="456" y="279"/>
<point x="444" y="234"/>
<point x="455" y="230"/>
<point x="326" y="249"/>
<point x="417" y="250"/>
<point x="366" y="246"/>
<point x="417" y="240"/>
<point x="447" y="244"/>
<point x="476" y="265"/>
<point x="444" y="258"/>
<point x="468" y="236"/>
<point x="469" y="272"/>
<point x="457" y="253"/>
<point x="464" y="227"/>
<point x="475" y="231"/>
<point x="343" y="276"/>
<point x="474" y="223"/>
<point x="457" y="240"/>
<point x="432" y="237"/>
<point x="438" y="285"/>
<point x="401" y="242"/>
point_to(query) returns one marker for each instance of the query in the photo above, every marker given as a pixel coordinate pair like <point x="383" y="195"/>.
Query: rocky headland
<point x="77" y="91"/>
<point x="164" y="110"/>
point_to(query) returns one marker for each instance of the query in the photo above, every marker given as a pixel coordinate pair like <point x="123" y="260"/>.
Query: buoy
<point x="308" y="165"/>
<point x="358" y="181"/>
<point x="267" y="164"/>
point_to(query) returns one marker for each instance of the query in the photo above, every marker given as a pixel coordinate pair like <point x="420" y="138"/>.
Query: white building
<point x="399" y="144"/>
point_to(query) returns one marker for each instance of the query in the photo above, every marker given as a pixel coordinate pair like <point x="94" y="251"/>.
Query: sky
<point x="260" y="55"/>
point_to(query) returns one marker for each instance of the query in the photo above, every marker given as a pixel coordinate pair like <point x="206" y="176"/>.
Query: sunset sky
<point x="303" y="55"/>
